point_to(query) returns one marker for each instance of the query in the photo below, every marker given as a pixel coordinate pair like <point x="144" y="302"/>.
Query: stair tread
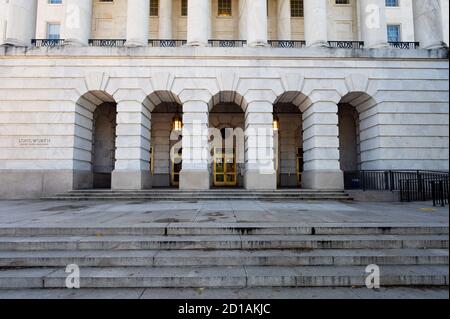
<point x="223" y="253"/>
<point x="228" y="271"/>
<point x="181" y="238"/>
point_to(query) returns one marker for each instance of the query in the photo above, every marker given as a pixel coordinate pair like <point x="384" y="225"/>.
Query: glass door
<point x="225" y="168"/>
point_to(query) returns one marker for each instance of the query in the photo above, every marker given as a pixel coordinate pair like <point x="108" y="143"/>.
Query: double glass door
<point x="225" y="167"/>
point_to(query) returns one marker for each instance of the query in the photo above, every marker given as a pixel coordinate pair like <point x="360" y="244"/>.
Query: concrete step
<point x="222" y="242"/>
<point x="173" y="228"/>
<point x="232" y="277"/>
<point x="133" y="258"/>
<point x="197" y="198"/>
<point x="215" y="194"/>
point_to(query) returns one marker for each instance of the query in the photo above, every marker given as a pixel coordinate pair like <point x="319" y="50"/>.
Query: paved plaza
<point x="35" y="213"/>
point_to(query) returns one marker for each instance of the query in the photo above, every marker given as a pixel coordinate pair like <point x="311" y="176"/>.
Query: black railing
<point x="287" y="44"/>
<point x="440" y="192"/>
<point x="107" y="42"/>
<point x="47" y="42"/>
<point x="161" y="43"/>
<point x="387" y="180"/>
<point x="425" y="189"/>
<point x="404" y="45"/>
<point x="227" y="43"/>
<point x="346" y="44"/>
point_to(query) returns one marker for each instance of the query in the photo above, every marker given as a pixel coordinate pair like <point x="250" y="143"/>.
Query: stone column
<point x="195" y="174"/>
<point x="316" y="32"/>
<point x="260" y="171"/>
<point x="321" y="147"/>
<point x="78" y="22"/>
<point x="243" y="19"/>
<point x="165" y="19"/>
<point x="132" y="169"/>
<point x="373" y="23"/>
<point x="21" y="26"/>
<point x="198" y="22"/>
<point x="428" y="23"/>
<point x="138" y="20"/>
<point x="257" y="23"/>
<point x="284" y="20"/>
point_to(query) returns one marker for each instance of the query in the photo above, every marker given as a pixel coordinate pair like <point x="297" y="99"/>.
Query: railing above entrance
<point x="404" y="45"/>
<point x="47" y="42"/>
<point x="346" y="44"/>
<point x="227" y="43"/>
<point x="169" y="43"/>
<point x="286" y="44"/>
<point x="107" y="42"/>
<point x="161" y="43"/>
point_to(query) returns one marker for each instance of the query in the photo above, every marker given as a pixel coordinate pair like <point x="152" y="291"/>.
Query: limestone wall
<point x="47" y="132"/>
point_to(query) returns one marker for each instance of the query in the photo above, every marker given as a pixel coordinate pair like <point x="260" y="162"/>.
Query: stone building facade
<point x="195" y="94"/>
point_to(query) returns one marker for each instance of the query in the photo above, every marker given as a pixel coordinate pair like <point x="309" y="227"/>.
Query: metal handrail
<point x="404" y="45"/>
<point x="287" y="44"/>
<point x="218" y="43"/>
<point x="107" y="42"/>
<point x="346" y="44"/>
<point x="166" y="43"/>
<point x="47" y="42"/>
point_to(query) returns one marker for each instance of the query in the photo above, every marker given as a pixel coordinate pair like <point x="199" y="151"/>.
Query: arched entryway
<point x="165" y="141"/>
<point x="288" y="139"/>
<point x="227" y="140"/>
<point x="95" y="139"/>
<point x="351" y="146"/>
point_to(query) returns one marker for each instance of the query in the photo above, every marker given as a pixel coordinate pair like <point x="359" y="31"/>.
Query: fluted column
<point x="138" y="20"/>
<point x="165" y="19"/>
<point x="284" y="20"/>
<point x="428" y="23"/>
<point x="373" y="23"/>
<point x="21" y="27"/>
<point x="256" y="23"/>
<point x="316" y="32"/>
<point x="199" y="22"/>
<point x="78" y="22"/>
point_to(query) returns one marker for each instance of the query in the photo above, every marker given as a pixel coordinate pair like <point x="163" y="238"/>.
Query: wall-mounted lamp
<point x="276" y="123"/>
<point x="177" y="124"/>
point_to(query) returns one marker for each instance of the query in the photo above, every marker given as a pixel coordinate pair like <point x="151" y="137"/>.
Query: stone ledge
<point x="224" y="53"/>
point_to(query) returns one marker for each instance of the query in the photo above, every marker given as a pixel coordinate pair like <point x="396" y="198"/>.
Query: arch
<point x="352" y="114"/>
<point x="288" y="138"/>
<point x="165" y="142"/>
<point x="226" y="120"/>
<point x="227" y="97"/>
<point x="95" y="138"/>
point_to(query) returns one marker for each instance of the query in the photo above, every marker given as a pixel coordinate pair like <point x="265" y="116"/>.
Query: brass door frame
<point x="152" y="161"/>
<point x="223" y="155"/>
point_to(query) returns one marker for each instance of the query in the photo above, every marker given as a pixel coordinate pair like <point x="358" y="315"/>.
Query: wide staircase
<point x="208" y="255"/>
<point x="213" y="194"/>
